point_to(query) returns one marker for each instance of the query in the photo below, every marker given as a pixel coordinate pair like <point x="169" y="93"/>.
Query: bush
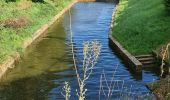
<point x="42" y="1"/>
<point x="11" y="0"/>
<point x="167" y="5"/>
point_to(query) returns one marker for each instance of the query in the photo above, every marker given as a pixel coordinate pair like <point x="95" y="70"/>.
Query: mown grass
<point x="11" y="39"/>
<point x="141" y="25"/>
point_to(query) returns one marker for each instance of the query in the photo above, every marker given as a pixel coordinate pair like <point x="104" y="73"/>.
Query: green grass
<point x="141" y="25"/>
<point x="38" y="14"/>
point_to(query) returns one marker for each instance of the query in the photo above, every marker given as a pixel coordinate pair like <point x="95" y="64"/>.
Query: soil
<point x="161" y="88"/>
<point x="16" y="22"/>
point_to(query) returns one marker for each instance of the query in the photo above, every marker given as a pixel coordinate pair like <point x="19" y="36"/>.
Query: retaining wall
<point x="128" y="58"/>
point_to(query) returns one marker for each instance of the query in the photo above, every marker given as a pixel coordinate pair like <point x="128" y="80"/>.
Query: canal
<point x="48" y="62"/>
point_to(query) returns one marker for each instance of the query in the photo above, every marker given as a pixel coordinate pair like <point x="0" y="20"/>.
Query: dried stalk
<point x="110" y="86"/>
<point x="165" y="55"/>
<point x="91" y="51"/>
<point x="67" y="91"/>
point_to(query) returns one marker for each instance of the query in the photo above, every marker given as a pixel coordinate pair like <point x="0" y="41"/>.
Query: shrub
<point x="167" y="5"/>
<point x="41" y="1"/>
<point x="12" y="0"/>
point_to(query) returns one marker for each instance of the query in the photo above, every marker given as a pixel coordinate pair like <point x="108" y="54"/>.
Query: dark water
<point x="48" y="63"/>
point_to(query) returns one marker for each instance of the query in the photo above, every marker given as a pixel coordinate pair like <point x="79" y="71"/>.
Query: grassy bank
<point x="31" y="15"/>
<point x="141" y="25"/>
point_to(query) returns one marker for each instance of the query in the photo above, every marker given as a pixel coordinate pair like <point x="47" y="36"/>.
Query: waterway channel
<point x="48" y="63"/>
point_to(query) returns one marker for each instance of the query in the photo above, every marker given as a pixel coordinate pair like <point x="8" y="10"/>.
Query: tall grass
<point x="11" y="39"/>
<point x="141" y="25"/>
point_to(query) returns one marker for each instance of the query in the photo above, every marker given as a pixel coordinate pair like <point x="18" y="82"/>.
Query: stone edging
<point x="11" y="60"/>
<point x="128" y="58"/>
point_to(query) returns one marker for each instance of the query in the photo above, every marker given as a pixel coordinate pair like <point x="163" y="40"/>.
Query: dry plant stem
<point x="110" y="86"/>
<point x="165" y="54"/>
<point x="91" y="51"/>
<point x="67" y="91"/>
<point x="72" y="49"/>
<point x="100" y="86"/>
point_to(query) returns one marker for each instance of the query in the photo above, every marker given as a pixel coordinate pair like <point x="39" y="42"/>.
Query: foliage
<point x="23" y="0"/>
<point x="167" y="5"/>
<point x="141" y="25"/>
<point x="12" y="0"/>
<point x="38" y="1"/>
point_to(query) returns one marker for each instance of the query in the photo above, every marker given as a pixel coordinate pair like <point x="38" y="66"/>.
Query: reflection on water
<point x="44" y="56"/>
<point x="32" y="77"/>
<point x="48" y="63"/>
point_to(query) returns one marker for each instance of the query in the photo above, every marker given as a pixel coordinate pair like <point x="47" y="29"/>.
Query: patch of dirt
<point x="16" y="22"/>
<point x="161" y="88"/>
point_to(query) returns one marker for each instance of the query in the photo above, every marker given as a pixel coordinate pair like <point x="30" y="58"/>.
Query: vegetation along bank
<point x="142" y="25"/>
<point x="19" y="19"/>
